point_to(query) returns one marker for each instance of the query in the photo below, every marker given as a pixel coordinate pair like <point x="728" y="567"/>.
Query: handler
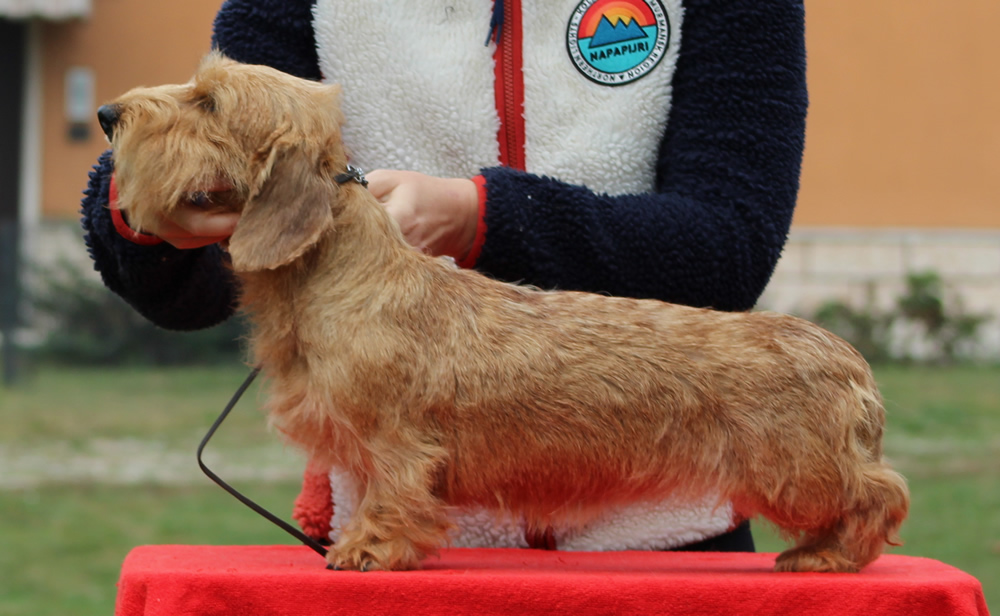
<point x="642" y="148"/>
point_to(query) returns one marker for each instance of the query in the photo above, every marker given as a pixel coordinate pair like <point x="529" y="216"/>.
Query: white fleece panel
<point x="418" y="95"/>
<point x="581" y="132"/>
<point x="641" y="526"/>
<point x="650" y="526"/>
<point x="417" y="82"/>
<point x="344" y="494"/>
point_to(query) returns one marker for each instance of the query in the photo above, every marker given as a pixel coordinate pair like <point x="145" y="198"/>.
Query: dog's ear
<point x="286" y="217"/>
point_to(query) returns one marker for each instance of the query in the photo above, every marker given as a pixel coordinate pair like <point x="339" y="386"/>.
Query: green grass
<point x="953" y="519"/>
<point x="63" y="542"/>
<point x="943" y="433"/>
<point x="169" y="404"/>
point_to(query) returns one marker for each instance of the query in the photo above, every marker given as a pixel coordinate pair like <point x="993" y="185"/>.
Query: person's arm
<point x="175" y="289"/>
<point x="727" y="178"/>
<point x="275" y="33"/>
<point x="193" y="289"/>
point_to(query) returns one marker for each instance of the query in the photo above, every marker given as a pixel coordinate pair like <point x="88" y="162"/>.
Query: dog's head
<point x="240" y="138"/>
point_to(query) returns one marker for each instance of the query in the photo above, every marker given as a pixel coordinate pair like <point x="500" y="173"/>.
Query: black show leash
<point x="288" y="528"/>
<point x="353" y="174"/>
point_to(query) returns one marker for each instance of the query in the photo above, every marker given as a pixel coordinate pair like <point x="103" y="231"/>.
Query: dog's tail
<point x="870" y="518"/>
<point x="881" y="497"/>
<point x="882" y="504"/>
<point x="866" y="512"/>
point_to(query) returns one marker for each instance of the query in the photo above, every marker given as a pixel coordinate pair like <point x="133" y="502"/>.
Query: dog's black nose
<point x="108" y="116"/>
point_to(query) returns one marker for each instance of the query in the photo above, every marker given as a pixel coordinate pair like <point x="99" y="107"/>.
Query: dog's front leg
<point x="399" y="520"/>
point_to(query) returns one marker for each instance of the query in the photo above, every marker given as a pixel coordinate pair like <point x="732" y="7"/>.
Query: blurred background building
<point x="899" y="177"/>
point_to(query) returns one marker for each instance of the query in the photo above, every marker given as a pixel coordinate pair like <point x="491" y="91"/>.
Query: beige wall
<point x="904" y="127"/>
<point x="127" y="43"/>
<point x="904" y="124"/>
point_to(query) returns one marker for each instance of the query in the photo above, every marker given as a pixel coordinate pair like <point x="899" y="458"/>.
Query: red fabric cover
<point x="205" y="580"/>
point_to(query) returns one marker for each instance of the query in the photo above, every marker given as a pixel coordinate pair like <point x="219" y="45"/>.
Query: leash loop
<point x="285" y="526"/>
<point x="355" y="174"/>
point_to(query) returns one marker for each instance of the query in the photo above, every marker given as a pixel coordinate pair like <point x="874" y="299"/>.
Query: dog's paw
<point x="814" y="560"/>
<point x="367" y="555"/>
<point x="352" y="560"/>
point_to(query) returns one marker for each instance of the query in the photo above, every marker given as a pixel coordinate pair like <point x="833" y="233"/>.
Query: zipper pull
<point x="496" y="23"/>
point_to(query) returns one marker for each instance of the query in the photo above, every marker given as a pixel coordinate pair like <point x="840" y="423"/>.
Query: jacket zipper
<point x="509" y="86"/>
<point x="509" y="90"/>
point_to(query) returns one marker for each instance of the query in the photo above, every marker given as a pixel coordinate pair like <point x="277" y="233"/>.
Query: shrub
<point x="866" y="328"/>
<point x="928" y="323"/>
<point x="82" y="322"/>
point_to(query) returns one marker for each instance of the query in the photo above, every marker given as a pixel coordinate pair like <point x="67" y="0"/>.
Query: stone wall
<point x="817" y="265"/>
<point x="849" y="264"/>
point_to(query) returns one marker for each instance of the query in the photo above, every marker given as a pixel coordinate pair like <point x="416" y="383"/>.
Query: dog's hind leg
<point x="859" y="535"/>
<point x="398" y="521"/>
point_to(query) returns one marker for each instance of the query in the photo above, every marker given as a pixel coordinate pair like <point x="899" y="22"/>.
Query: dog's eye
<point x="207" y="103"/>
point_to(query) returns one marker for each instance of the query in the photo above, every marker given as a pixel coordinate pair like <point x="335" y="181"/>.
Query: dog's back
<point x="553" y="406"/>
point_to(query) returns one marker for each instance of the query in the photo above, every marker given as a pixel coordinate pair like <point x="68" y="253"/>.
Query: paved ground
<point x="132" y="461"/>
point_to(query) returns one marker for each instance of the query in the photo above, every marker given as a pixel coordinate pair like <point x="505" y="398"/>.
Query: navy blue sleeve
<point x="193" y="289"/>
<point x="176" y="289"/>
<point x="727" y="178"/>
<point x="276" y="33"/>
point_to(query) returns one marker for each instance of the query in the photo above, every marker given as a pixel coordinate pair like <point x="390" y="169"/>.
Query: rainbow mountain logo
<point x="607" y="34"/>
<point x="615" y="42"/>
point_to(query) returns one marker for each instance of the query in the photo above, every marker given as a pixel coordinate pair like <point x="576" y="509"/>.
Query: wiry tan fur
<point x="439" y="387"/>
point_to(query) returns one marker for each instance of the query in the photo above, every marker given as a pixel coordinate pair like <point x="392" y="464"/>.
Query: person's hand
<point x="191" y="226"/>
<point x="438" y="216"/>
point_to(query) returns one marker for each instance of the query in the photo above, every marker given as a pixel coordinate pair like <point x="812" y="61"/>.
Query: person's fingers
<point x="205" y="224"/>
<point x="188" y="243"/>
<point x="392" y="190"/>
<point x="192" y="228"/>
<point x="436" y="215"/>
<point x="381" y="182"/>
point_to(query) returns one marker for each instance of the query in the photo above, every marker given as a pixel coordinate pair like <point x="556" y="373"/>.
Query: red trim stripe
<point x="477" y="244"/>
<point x="121" y="226"/>
<point x="508" y="87"/>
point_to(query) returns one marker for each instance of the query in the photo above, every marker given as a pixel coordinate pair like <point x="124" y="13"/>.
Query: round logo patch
<point x="614" y="42"/>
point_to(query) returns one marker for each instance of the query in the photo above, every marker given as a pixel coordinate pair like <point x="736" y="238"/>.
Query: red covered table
<point x="205" y="580"/>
